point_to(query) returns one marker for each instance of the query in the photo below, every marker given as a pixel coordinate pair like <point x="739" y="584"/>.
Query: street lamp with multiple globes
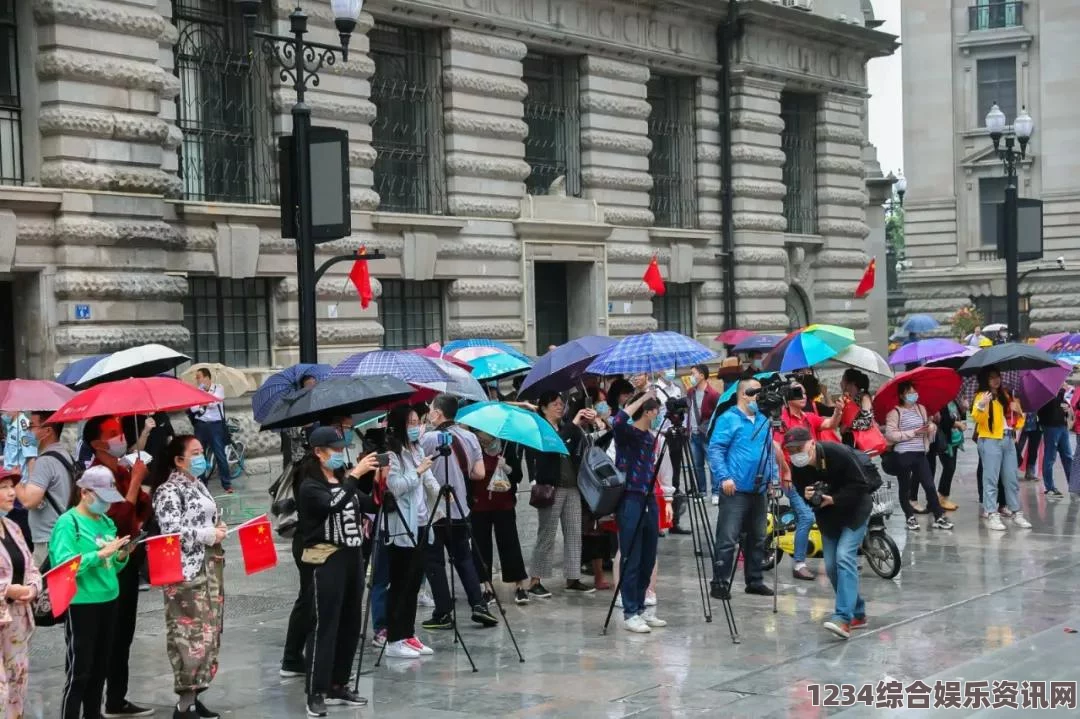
<point x="299" y="61"/>
<point x="1010" y="157"/>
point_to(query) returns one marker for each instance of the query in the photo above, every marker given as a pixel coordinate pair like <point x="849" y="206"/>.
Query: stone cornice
<point x="429" y="223"/>
<point x="672" y="235"/>
<point x="873" y="43"/>
<point x="31" y="199"/>
<point x="264" y="215"/>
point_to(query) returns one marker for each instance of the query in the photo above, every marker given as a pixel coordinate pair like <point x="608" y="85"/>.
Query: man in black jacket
<point x="838" y="481"/>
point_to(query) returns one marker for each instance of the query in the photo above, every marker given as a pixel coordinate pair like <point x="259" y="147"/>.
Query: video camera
<point x="676" y="407"/>
<point x="775" y="392"/>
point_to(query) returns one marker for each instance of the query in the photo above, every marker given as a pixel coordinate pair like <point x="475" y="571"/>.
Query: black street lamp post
<point x="1010" y="156"/>
<point x="299" y="61"/>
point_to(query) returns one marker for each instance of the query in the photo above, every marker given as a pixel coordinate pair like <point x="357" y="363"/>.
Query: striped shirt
<point x="911" y="420"/>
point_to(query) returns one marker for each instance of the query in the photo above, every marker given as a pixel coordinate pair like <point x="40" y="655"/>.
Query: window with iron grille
<point x="223" y="110"/>
<point x="799" y="143"/>
<point x="11" y="160"/>
<point x="407" y="132"/>
<point x="991" y="195"/>
<point x="674" y="310"/>
<point x="672" y="161"/>
<point x="229" y="320"/>
<point x="553" y="147"/>
<point x="996" y="78"/>
<point x="411" y="313"/>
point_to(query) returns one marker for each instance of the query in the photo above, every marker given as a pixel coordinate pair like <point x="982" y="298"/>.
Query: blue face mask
<point x="99" y="506"/>
<point x="197" y="465"/>
<point x="911" y="397"/>
<point x="336" y="461"/>
<point x="601" y="408"/>
<point x="670" y="375"/>
<point x="757" y="364"/>
<point x="3" y="513"/>
<point x="751" y="406"/>
<point x="657" y="423"/>
<point x="413" y="433"/>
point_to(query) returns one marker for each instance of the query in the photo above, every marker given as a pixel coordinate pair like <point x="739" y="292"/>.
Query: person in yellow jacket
<point x="998" y="417"/>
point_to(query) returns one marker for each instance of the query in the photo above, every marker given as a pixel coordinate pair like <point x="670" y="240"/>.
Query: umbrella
<point x="233" y="381"/>
<point x="937" y="386"/>
<point x="336" y="396"/>
<point x="734" y="337"/>
<point x="1010" y="380"/>
<point x="458" y="383"/>
<point x="1039" y="386"/>
<point x="498" y="365"/>
<point x="563" y="367"/>
<point x="74" y="372"/>
<point x="919" y="324"/>
<point x="513" y="424"/>
<point x="437" y="354"/>
<point x="758" y="343"/>
<point x="953" y="361"/>
<point x="864" y="359"/>
<point x="455" y="346"/>
<point x="138" y="395"/>
<point x="1010" y="355"/>
<point x="1047" y="341"/>
<point x="807" y="347"/>
<point x="729" y="392"/>
<point x="142" y="361"/>
<point x="924" y="351"/>
<point x="282" y="383"/>
<point x="29" y="395"/>
<point x="1065" y="346"/>
<point x="650" y="352"/>
<point x="996" y="327"/>
<point x="397" y="363"/>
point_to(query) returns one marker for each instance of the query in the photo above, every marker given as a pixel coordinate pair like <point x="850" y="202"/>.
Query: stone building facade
<point x="960" y="57"/>
<point x="519" y="162"/>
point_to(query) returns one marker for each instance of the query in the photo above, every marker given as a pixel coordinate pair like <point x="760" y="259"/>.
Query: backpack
<point x="75" y="472"/>
<point x="601" y="484"/>
<point x="869" y="471"/>
<point x="284" y="515"/>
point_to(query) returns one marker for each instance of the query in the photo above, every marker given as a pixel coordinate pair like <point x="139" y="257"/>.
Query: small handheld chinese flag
<point x="361" y="278"/>
<point x="653" y="278"/>
<point x="257" y="544"/>
<point x="866" y="284"/>
<point x="164" y="560"/>
<point x="60" y="581"/>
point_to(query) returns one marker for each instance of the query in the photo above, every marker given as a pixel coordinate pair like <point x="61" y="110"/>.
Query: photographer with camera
<point x="838" y="481"/>
<point x="743" y="464"/>
<point x="702" y="399"/>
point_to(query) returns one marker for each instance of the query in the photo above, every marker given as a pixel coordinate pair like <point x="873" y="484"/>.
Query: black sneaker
<point x="913" y="524"/>
<point x="439" y="621"/>
<point x="720" y="590"/>
<point x="344" y="695"/>
<point x="1054" y="494"/>
<point x="205" y="713"/>
<point x="761" y="590"/>
<point x="539" y="591"/>
<point x="189" y="713"/>
<point x="942" y="522"/>
<point x="521" y="596"/>
<point x="580" y="587"/>
<point x="680" y="530"/>
<point x="487" y="597"/>
<point x="127" y="709"/>
<point x="482" y="616"/>
<point x="292" y="670"/>
<point x="316" y="705"/>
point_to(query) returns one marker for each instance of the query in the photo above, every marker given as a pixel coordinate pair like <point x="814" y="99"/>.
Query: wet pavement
<point x="969" y="606"/>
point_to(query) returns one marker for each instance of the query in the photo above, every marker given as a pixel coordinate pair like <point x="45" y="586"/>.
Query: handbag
<point x="890" y="463"/>
<point x="871" y="441"/>
<point x="542" y="496"/>
<point x="601" y="484"/>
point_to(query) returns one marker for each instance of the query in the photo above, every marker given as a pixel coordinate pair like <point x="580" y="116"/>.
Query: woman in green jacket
<point x="86" y="532"/>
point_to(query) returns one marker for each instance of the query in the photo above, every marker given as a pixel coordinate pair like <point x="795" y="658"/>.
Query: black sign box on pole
<point x="331" y="213"/>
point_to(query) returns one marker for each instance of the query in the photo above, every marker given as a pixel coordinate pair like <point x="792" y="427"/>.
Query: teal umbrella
<point x="496" y="366"/>
<point x="729" y="393"/>
<point x="513" y="424"/>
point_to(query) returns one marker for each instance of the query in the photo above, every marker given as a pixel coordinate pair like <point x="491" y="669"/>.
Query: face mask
<point x="117" y="447"/>
<point x="911" y="397"/>
<point x="336" y="461"/>
<point x="757" y="364"/>
<point x="751" y="406"/>
<point x="670" y="375"/>
<point x="800" y="459"/>
<point x="413" y="433"/>
<point x="99" y="506"/>
<point x="197" y="466"/>
<point x="602" y="408"/>
<point x="3" y="513"/>
<point x="657" y="423"/>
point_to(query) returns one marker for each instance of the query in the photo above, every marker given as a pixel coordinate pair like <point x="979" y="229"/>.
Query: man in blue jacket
<point x="741" y="457"/>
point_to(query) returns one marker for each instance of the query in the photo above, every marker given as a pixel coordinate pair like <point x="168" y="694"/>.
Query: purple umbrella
<point x="925" y="351"/>
<point x="562" y="368"/>
<point x="1034" y="387"/>
<point x="953" y="361"/>
<point x="1047" y="341"/>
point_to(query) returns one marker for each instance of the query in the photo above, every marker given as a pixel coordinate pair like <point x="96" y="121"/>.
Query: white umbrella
<point x="233" y="381"/>
<point x="990" y="329"/>
<point x="142" y="361"/>
<point x="459" y="382"/>
<point x="864" y="359"/>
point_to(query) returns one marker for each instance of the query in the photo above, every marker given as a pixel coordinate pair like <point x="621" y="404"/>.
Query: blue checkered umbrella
<point x="650" y="352"/>
<point x="74" y="372"/>
<point x="408" y="366"/>
<point x="282" y="383"/>
<point x="455" y="345"/>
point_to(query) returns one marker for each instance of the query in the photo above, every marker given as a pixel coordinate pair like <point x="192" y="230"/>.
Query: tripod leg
<point x="376" y="538"/>
<point x="690" y="482"/>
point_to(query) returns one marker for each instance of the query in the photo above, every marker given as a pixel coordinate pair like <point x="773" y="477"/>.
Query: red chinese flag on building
<point x="653" y="278"/>
<point x="866" y="284"/>
<point x="60" y="582"/>
<point x="257" y="544"/>
<point x="164" y="560"/>
<point x="361" y="278"/>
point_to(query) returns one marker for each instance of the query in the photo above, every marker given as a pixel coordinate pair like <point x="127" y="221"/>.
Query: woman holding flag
<point x="194" y="608"/>
<point x="20" y="583"/>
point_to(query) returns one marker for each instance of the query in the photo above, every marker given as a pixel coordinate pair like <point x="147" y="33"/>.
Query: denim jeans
<point x="741" y="513"/>
<point x="999" y="461"/>
<point x="637" y="560"/>
<point x="804" y="520"/>
<point x="842" y="566"/>
<point x="1056" y="442"/>
<point x="697" y="451"/>
<point x="380" y="584"/>
<point x="212" y="437"/>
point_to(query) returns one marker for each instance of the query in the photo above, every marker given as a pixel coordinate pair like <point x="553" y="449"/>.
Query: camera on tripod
<point x="775" y="392"/>
<point x="676" y="407"/>
<point x="820" y="489"/>
<point x="446" y="443"/>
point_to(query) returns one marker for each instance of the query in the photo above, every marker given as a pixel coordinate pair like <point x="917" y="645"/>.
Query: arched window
<point x="798" y="309"/>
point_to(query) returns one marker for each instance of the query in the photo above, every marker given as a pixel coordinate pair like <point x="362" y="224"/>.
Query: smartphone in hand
<point x="383" y="458"/>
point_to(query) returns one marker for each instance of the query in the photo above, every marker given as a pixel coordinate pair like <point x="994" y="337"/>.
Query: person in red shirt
<point x="105" y="437"/>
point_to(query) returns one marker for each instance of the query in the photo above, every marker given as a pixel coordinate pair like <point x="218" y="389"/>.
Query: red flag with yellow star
<point x="869" y="278"/>
<point x="60" y="581"/>
<point x="257" y="544"/>
<point x="164" y="559"/>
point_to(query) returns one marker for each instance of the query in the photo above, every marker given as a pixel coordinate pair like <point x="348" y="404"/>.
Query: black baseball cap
<point x="797" y="436"/>
<point x="326" y="437"/>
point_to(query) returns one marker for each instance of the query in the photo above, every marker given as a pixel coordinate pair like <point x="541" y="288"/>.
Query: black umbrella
<point x="337" y="396"/>
<point x="1008" y="356"/>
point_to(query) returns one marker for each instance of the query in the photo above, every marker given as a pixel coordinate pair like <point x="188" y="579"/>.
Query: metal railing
<point x="994" y="15"/>
<point x="553" y="146"/>
<point x="673" y="198"/>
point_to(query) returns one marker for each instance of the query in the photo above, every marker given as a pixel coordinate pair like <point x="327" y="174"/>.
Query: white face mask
<point x="800" y="459"/>
<point x="117" y="447"/>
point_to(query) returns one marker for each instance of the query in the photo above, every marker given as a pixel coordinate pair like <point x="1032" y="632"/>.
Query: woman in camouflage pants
<point x="194" y="608"/>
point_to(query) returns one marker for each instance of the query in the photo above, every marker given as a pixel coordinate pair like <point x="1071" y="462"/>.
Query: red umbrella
<point x="937" y="386"/>
<point x="28" y="395"/>
<point x="734" y="337"/>
<point x="141" y="395"/>
<point x="437" y="354"/>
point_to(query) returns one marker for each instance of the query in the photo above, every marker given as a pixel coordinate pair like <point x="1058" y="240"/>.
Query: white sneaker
<point x="424" y="599"/>
<point x="1020" y="521"/>
<point x="618" y="601"/>
<point x="418" y="646"/>
<point x="650" y="599"/>
<point x="401" y="650"/>
<point x="716" y="500"/>
<point x="994" y="523"/>
<point x="636" y="624"/>
<point x="652" y="620"/>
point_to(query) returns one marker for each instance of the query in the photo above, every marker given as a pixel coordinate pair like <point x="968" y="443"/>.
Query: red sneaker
<point x="857" y="623"/>
<point x="840" y="629"/>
